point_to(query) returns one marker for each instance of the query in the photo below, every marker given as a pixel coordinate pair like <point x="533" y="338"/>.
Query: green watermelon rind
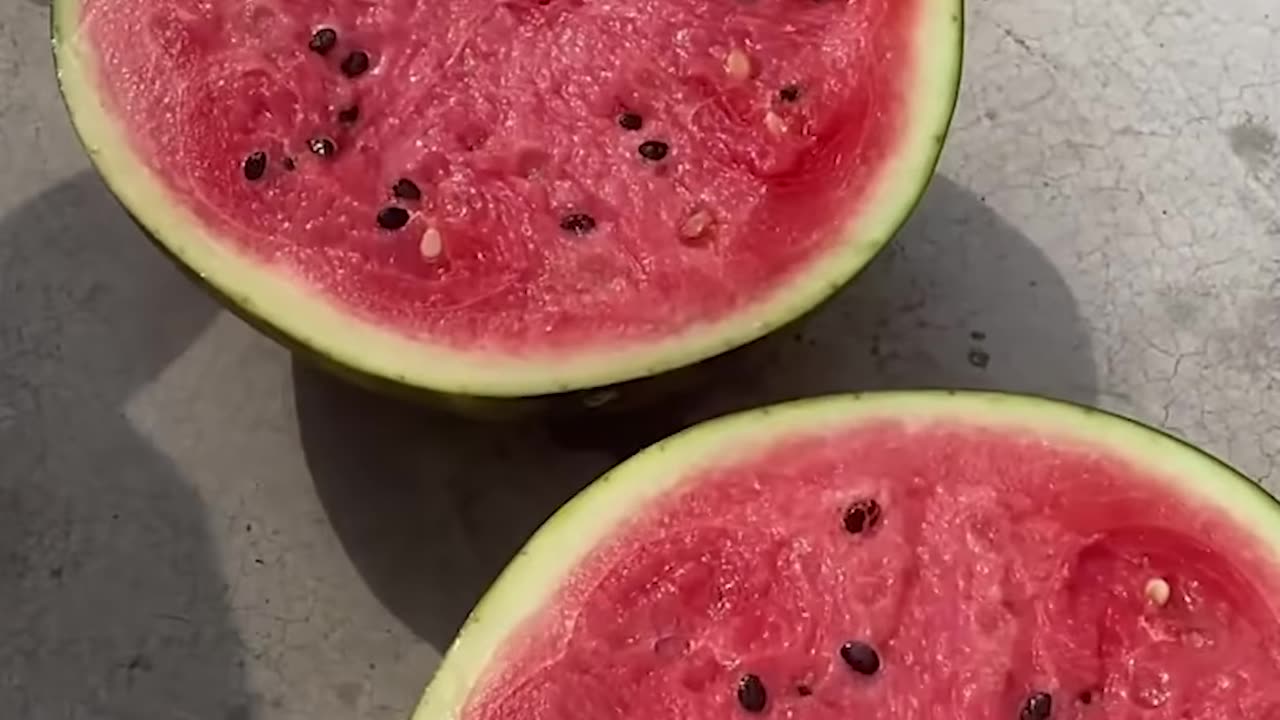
<point x="303" y="320"/>
<point x="551" y="554"/>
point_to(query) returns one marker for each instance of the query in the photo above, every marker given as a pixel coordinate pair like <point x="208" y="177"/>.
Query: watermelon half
<point x="507" y="198"/>
<point x="899" y="555"/>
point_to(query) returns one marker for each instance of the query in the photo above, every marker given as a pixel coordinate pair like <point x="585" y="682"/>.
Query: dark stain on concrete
<point x="349" y="693"/>
<point x="1253" y="142"/>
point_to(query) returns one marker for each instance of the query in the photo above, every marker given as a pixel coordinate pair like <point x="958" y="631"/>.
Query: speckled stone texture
<point x="193" y="526"/>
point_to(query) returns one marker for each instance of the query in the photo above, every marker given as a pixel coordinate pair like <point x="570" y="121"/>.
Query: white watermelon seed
<point x="737" y="65"/>
<point x="1157" y="591"/>
<point x="696" y="225"/>
<point x="431" y="245"/>
<point x="775" y="123"/>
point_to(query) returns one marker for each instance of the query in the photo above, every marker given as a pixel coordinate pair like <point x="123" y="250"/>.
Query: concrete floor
<point x="193" y="526"/>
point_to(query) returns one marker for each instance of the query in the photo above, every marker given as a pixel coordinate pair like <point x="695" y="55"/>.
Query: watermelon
<point x="897" y="555"/>
<point x="514" y="198"/>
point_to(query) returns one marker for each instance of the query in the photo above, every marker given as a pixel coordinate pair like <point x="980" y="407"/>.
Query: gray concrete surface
<point x="192" y="526"/>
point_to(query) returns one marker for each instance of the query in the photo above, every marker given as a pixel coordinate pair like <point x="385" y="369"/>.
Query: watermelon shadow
<point x="960" y="299"/>
<point x="430" y="506"/>
<point x="111" y="600"/>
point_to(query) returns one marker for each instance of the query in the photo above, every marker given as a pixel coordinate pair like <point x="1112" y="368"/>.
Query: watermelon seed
<point x="431" y="244"/>
<point x="862" y="515"/>
<point x="323" y="41"/>
<point x="393" y="218"/>
<point x="789" y="93"/>
<point x="1085" y="697"/>
<point x="349" y="116"/>
<point x="1157" y="591"/>
<point x="322" y="147"/>
<point x="861" y="657"/>
<point x="355" y="64"/>
<point x="804" y="690"/>
<point x="696" y="225"/>
<point x="406" y="189"/>
<point x="578" y="223"/>
<point x="775" y="123"/>
<point x="737" y="65"/>
<point x="1038" y="706"/>
<point x="668" y="646"/>
<point x="255" y="166"/>
<point x="751" y="693"/>
<point x="630" y="121"/>
<point x="290" y="164"/>
<point x="654" y="150"/>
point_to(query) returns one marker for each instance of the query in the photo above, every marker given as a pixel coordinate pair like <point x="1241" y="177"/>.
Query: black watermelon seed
<point x="355" y="64"/>
<point x="323" y="41"/>
<point x="406" y="189"/>
<point x="290" y="164"/>
<point x="630" y="121"/>
<point x="349" y="116"/>
<point x="255" y="166"/>
<point x="789" y="93"/>
<point x="861" y="657"/>
<point x="393" y="218"/>
<point x="804" y="690"/>
<point x="578" y="223"/>
<point x="322" y="147"/>
<point x="862" y="516"/>
<point x="653" y="150"/>
<point x="1039" y="706"/>
<point x="751" y="694"/>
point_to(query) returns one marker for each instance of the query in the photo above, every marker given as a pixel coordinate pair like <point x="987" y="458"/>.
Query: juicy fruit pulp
<point x="1011" y="571"/>
<point x="589" y="173"/>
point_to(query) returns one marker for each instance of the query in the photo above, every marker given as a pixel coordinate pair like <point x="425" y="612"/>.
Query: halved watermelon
<point x="900" y="555"/>
<point x="514" y="197"/>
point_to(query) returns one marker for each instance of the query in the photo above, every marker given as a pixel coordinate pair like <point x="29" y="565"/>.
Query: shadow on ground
<point x="430" y="507"/>
<point x="111" y="604"/>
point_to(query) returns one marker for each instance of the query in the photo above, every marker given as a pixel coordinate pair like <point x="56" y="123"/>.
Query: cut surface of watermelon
<point x="515" y="196"/>
<point x="896" y="555"/>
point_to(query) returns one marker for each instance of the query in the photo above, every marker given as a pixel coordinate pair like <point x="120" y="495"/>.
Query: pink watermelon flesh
<point x="507" y="117"/>
<point x="999" y="569"/>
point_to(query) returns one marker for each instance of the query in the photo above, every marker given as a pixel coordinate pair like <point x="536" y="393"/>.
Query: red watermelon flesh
<point x="506" y="116"/>
<point x="998" y="569"/>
